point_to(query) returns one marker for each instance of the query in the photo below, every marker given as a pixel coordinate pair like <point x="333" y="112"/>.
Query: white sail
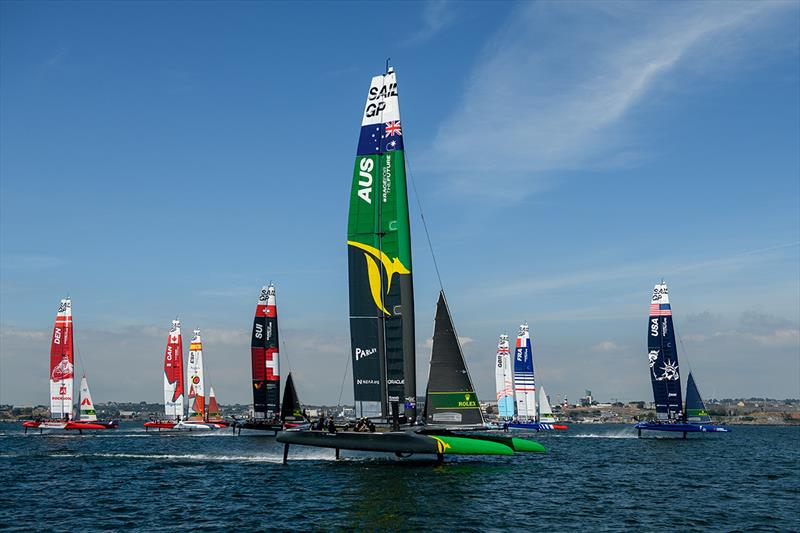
<point x="196" y="394"/>
<point x="545" y="411"/>
<point x="504" y="380"/>
<point x="86" y="408"/>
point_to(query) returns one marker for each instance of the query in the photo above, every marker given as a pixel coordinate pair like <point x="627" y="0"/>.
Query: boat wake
<point x="620" y="434"/>
<point x="199" y="457"/>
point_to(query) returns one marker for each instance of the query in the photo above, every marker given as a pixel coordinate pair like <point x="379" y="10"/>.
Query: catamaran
<point x="174" y="382"/>
<point x="62" y="375"/>
<point x="533" y="411"/>
<point x="265" y="366"/>
<point x="662" y="354"/>
<point x="197" y="417"/>
<point x="382" y="316"/>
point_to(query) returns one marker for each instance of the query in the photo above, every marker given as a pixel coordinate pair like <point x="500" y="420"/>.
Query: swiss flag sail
<point x="62" y="363"/>
<point x="173" y="372"/>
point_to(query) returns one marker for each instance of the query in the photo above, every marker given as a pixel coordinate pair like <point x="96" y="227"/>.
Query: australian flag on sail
<point x="380" y="138"/>
<point x="660" y="310"/>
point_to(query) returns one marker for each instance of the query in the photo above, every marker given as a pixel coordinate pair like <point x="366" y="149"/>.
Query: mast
<point x="62" y="363"/>
<point x="173" y="372"/>
<point x="662" y="356"/>
<point x="195" y="397"/>
<point x="524" y="381"/>
<point x="504" y="380"/>
<point x="379" y="261"/>
<point x="271" y="357"/>
<point x="450" y="396"/>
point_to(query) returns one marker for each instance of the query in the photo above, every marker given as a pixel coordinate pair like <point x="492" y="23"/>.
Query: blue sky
<point x="162" y="159"/>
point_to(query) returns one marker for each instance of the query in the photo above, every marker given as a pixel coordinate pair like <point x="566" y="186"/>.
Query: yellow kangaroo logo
<point x="391" y="266"/>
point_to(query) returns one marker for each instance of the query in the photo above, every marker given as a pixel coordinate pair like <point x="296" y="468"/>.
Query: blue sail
<point x="662" y="355"/>
<point x="524" y="382"/>
<point x="695" y="408"/>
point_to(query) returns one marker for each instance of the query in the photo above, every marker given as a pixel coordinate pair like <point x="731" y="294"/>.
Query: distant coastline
<point x="737" y="411"/>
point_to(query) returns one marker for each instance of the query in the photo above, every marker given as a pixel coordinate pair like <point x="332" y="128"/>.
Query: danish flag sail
<point x="87" y="412"/>
<point x="524" y="383"/>
<point x="195" y="396"/>
<point x="662" y="356"/>
<point x="379" y="261"/>
<point x="504" y="380"/>
<point x="173" y="373"/>
<point x="62" y="361"/>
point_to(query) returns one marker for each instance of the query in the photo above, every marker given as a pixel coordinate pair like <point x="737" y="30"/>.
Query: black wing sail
<point x="451" y="398"/>
<point x="291" y="410"/>
<point x="695" y="408"/>
<point x="663" y="357"/>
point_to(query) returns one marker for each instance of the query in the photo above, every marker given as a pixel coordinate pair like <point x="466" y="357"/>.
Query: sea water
<point x="593" y="478"/>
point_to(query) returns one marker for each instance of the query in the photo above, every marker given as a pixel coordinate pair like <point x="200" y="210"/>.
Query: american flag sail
<point x="662" y="355"/>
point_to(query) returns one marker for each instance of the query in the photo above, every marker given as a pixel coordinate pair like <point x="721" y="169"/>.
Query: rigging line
<point x="422" y="216"/>
<point x="285" y="353"/>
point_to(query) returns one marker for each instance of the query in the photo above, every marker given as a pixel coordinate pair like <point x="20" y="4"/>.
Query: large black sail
<point x="379" y="261"/>
<point x="291" y="410"/>
<point x="695" y="408"/>
<point x="450" y="398"/>
<point x="663" y="357"/>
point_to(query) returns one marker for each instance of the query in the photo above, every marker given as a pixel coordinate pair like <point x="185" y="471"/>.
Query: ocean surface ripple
<point x="593" y="478"/>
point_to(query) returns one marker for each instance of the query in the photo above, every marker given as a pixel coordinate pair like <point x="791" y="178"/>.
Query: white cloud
<point x="553" y="86"/>
<point x="436" y="16"/>
<point x="605" y="346"/>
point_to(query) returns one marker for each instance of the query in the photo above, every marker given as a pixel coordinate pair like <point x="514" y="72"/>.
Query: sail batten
<point x="662" y="357"/>
<point x="379" y="260"/>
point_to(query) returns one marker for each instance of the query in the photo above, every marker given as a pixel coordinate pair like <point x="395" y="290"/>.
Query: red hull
<point x="72" y="424"/>
<point x="560" y="427"/>
<point x="159" y="424"/>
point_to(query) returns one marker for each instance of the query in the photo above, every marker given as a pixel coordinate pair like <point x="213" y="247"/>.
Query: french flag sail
<point x="662" y="357"/>
<point x="173" y="373"/>
<point x="504" y="380"/>
<point x="196" y="394"/>
<point x="62" y="361"/>
<point x="524" y="382"/>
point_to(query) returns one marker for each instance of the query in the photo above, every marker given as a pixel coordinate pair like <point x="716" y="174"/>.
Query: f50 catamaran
<point x="382" y="315"/>
<point x="533" y="410"/>
<point x="62" y="376"/>
<point x="671" y="413"/>
<point x="199" y="416"/>
<point x="265" y="366"/>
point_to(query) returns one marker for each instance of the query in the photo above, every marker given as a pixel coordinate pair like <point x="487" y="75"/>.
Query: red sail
<point x="62" y="363"/>
<point x="258" y="357"/>
<point x="173" y="362"/>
